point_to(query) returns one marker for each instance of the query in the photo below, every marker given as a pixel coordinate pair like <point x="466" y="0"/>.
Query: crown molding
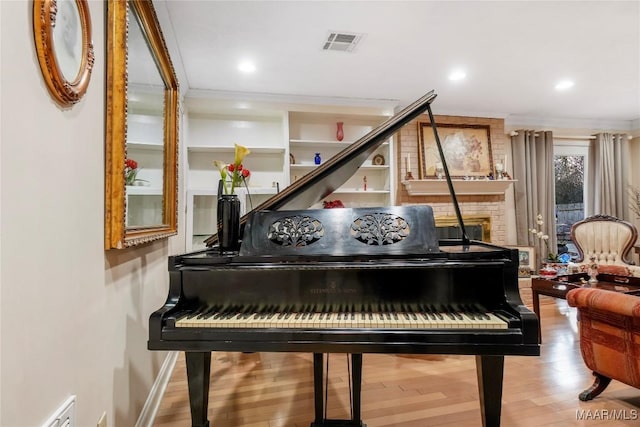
<point x="517" y="121"/>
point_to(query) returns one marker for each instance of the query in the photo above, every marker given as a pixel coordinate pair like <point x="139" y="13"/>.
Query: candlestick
<point x="439" y="170"/>
<point x="408" y="163"/>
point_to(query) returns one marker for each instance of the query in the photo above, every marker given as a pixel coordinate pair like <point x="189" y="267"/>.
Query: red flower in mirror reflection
<point x="130" y="172"/>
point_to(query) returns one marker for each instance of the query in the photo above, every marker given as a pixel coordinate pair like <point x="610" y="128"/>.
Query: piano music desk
<point x="561" y="285"/>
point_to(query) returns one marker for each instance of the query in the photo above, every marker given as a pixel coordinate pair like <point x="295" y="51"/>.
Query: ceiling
<point x="513" y="52"/>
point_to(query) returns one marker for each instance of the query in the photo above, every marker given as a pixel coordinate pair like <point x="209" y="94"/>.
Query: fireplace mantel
<point x="439" y="187"/>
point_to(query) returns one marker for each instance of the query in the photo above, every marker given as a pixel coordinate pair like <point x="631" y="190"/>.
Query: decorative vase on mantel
<point x="340" y="131"/>
<point x="228" y="223"/>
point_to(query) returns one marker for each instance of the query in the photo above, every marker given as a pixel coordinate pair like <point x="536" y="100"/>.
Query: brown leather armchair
<point x="609" y="324"/>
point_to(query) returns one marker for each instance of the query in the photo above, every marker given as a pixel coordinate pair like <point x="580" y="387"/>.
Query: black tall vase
<point x="228" y="223"/>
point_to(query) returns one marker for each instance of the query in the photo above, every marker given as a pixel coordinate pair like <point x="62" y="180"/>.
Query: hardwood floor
<point x="276" y="389"/>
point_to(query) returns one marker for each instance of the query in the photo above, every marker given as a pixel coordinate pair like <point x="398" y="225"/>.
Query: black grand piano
<point x="355" y="281"/>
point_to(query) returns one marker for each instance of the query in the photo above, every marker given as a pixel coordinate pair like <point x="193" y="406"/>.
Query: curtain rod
<point x="514" y="133"/>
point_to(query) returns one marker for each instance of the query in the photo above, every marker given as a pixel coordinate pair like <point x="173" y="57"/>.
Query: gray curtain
<point x="533" y="171"/>
<point x="609" y="165"/>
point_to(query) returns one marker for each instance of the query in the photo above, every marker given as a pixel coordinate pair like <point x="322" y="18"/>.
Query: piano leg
<point x="356" y="380"/>
<point x="198" y="374"/>
<point x="318" y="387"/>
<point x="490" y="372"/>
<point x="356" y="396"/>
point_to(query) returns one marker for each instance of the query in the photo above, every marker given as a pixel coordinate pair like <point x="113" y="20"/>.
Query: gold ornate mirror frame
<point x="62" y="35"/>
<point x="120" y="15"/>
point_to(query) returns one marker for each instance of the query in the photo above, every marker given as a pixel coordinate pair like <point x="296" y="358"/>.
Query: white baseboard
<point x="150" y="409"/>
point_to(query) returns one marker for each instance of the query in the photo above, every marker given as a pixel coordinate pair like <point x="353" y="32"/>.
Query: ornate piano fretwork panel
<point x="380" y="229"/>
<point x="298" y="230"/>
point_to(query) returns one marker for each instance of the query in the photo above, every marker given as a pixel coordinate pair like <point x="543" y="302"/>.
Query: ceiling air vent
<point x="342" y="42"/>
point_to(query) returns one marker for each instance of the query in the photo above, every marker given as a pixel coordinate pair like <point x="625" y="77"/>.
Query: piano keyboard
<point x="406" y="316"/>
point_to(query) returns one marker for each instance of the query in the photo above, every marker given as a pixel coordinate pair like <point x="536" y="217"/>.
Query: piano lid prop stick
<point x="465" y="238"/>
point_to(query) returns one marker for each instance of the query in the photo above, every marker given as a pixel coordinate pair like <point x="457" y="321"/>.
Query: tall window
<point x="570" y="162"/>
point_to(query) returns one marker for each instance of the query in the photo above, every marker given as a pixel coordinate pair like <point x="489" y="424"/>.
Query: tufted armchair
<point x="608" y="239"/>
<point x="609" y="324"/>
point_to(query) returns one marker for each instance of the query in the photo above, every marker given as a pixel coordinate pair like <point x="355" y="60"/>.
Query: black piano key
<point x="387" y="312"/>
<point x="394" y="313"/>
<point x="437" y="313"/>
<point x="312" y="312"/>
<point x="412" y="312"/>
<point x="273" y="309"/>
<point x="328" y="313"/>
<point x="260" y="313"/>
<point x="426" y="311"/>
<point x="322" y="312"/>
<point x="405" y="310"/>
<point x="283" y="312"/>
<point x="446" y="310"/>
<point x="465" y="310"/>
<point x="423" y="311"/>
<point x="454" y="312"/>
<point x="197" y="312"/>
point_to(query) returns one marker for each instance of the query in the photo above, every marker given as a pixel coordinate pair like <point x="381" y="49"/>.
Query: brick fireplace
<point x="477" y="227"/>
<point x="489" y="209"/>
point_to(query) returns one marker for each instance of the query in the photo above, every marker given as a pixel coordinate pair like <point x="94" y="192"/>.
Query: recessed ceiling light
<point x="564" y="85"/>
<point x="457" y="75"/>
<point x="247" y="67"/>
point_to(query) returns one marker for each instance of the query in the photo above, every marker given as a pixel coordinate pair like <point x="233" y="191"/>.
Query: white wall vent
<point x="342" y="41"/>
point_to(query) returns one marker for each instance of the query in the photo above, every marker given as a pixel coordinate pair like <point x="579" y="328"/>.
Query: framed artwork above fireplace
<point x="467" y="150"/>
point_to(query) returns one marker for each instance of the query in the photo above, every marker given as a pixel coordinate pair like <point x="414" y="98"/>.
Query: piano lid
<point x="329" y="176"/>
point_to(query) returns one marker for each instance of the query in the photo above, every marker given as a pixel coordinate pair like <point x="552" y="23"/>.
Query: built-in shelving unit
<point x="316" y="132"/>
<point x="212" y="129"/>
<point x="145" y="145"/>
<point x="283" y="140"/>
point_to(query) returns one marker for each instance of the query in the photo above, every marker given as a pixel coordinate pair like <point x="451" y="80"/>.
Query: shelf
<point x="353" y="191"/>
<point x="227" y="149"/>
<point x="309" y="166"/>
<point x="144" y="145"/>
<point x="310" y="143"/>
<point x="240" y="191"/>
<point x="439" y="187"/>
<point x="141" y="190"/>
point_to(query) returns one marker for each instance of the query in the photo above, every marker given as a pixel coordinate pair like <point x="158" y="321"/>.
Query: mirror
<point x="141" y="128"/>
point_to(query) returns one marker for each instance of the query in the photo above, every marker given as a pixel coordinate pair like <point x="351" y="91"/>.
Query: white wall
<point x="73" y="318"/>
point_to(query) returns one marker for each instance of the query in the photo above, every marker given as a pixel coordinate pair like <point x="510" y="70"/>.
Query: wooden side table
<point x="561" y="285"/>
